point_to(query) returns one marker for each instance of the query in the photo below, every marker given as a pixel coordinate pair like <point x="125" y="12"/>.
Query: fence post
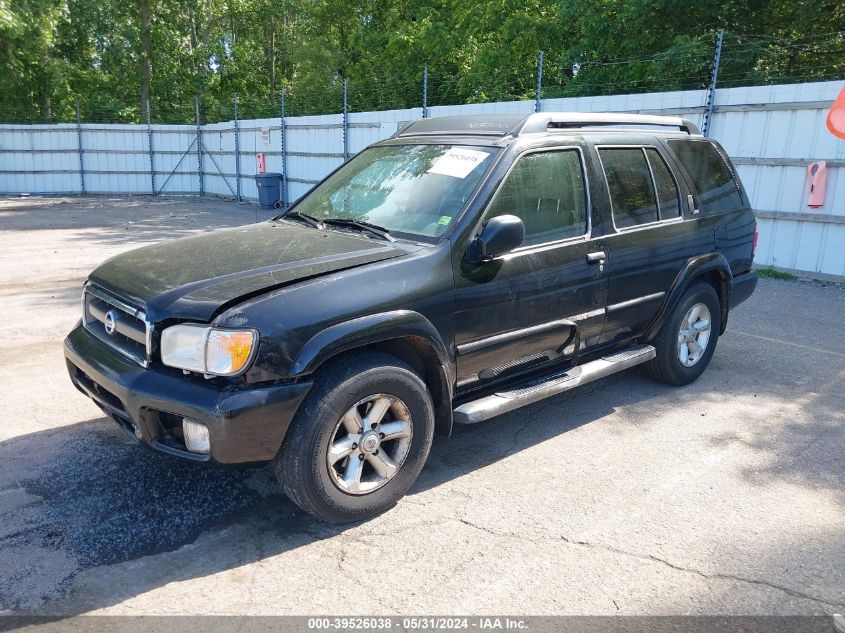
<point x="345" y="123"/>
<point x="711" y="92"/>
<point x="79" y="148"/>
<point x="199" y="146"/>
<point x="237" y="153"/>
<point x="150" y="148"/>
<point x="283" y="134"/>
<point x="425" y="92"/>
<point x="539" y="86"/>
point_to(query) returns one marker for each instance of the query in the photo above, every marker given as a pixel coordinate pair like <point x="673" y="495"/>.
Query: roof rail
<point x="500" y="125"/>
<point x="544" y="121"/>
<point x="473" y="125"/>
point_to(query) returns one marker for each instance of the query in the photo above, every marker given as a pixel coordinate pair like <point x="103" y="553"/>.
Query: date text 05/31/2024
<point x="417" y="623"/>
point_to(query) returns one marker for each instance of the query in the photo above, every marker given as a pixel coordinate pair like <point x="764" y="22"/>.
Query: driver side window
<point x="546" y="191"/>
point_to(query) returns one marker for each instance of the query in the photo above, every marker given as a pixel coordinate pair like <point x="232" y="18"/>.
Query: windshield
<point x="417" y="190"/>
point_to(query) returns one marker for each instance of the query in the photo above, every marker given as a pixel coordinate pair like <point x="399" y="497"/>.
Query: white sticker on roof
<point x="458" y="162"/>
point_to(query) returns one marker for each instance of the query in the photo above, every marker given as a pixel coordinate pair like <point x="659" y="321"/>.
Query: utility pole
<point x="539" y="87"/>
<point x="79" y="148"/>
<point x="425" y="92"/>
<point x="150" y="148"/>
<point x="199" y="145"/>
<point x="283" y="133"/>
<point x="345" y="122"/>
<point x="237" y="153"/>
<point x="711" y="92"/>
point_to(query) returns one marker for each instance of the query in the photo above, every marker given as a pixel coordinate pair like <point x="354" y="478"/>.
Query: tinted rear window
<point x="711" y="176"/>
<point x="668" y="197"/>
<point x="631" y="188"/>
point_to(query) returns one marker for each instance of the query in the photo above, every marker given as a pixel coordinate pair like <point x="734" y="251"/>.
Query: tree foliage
<point x="113" y="56"/>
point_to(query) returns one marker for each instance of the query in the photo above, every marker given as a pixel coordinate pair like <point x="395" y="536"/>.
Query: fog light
<point x="196" y="436"/>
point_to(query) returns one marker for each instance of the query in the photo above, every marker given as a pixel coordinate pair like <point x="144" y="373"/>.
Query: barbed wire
<point x="653" y="57"/>
<point x="746" y="59"/>
<point x="791" y="41"/>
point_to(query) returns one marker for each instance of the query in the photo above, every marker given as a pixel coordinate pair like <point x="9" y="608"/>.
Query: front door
<point x="512" y="312"/>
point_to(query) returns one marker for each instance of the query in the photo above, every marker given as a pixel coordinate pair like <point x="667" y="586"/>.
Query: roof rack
<point x="545" y="121"/>
<point x="471" y="125"/>
<point x="500" y="125"/>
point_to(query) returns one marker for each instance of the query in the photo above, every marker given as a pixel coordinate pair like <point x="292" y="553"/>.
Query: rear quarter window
<point x="717" y="187"/>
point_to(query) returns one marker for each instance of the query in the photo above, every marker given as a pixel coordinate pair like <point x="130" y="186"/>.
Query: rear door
<point x="650" y="241"/>
<point x="510" y="312"/>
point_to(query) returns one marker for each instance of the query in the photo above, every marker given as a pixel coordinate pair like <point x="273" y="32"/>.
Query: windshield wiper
<point x="310" y="220"/>
<point x="374" y="229"/>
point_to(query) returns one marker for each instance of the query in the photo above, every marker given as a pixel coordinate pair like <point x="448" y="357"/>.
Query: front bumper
<point x="245" y="424"/>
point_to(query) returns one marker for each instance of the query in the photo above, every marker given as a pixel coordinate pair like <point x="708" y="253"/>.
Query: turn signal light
<point x="228" y="352"/>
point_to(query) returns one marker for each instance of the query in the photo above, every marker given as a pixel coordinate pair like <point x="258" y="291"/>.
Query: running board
<point x="538" y="389"/>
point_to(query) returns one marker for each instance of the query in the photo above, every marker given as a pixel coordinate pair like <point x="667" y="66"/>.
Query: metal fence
<point x="772" y="132"/>
<point x="688" y="63"/>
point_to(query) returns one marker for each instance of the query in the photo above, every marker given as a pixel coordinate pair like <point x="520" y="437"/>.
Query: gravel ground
<point x="628" y="497"/>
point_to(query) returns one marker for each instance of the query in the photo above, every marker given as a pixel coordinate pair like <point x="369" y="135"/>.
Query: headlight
<point x="207" y="350"/>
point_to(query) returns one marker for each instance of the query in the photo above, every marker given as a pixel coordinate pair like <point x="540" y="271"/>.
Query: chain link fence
<point x="687" y="65"/>
<point x="210" y="145"/>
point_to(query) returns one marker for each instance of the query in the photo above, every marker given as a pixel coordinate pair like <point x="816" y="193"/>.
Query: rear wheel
<point x="359" y="441"/>
<point x="687" y="340"/>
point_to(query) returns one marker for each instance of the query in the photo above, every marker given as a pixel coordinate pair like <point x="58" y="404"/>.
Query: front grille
<point x="117" y="324"/>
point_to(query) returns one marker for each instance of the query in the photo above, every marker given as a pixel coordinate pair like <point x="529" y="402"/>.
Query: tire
<point x="328" y="489"/>
<point x="668" y="366"/>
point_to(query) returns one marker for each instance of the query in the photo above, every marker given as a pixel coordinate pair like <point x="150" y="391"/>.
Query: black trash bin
<point x="269" y="189"/>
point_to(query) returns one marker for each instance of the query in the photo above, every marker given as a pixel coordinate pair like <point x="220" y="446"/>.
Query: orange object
<point x="816" y="183"/>
<point x="259" y="157"/>
<point x="836" y="116"/>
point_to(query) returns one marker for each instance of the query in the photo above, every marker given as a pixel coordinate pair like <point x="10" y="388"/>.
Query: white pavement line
<point x="809" y="348"/>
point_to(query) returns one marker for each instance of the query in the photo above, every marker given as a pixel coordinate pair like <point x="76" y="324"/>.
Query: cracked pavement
<point x="626" y="497"/>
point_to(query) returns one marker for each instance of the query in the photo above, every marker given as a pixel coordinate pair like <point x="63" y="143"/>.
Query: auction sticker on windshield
<point x="458" y="162"/>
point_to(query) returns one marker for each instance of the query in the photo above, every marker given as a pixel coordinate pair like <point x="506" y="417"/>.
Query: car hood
<point x="194" y="277"/>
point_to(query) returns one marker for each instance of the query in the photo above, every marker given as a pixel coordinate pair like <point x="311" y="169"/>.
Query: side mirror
<point x="499" y="236"/>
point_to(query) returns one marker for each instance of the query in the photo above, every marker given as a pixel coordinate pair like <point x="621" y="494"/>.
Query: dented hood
<point x="193" y="277"/>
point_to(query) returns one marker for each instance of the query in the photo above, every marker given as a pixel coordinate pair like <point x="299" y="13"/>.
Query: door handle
<point x="598" y="256"/>
<point x="692" y="204"/>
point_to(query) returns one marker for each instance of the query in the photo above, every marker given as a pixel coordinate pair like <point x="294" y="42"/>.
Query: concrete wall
<point x="772" y="133"/>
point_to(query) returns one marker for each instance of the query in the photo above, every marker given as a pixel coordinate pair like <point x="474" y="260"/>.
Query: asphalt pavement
<point x="626" y="497"/>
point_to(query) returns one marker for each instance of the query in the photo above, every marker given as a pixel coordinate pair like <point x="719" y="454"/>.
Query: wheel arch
<point x="712" y="268"/>
<point x="405" y="334"/>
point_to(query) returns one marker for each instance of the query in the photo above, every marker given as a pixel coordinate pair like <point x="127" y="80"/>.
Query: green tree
<point x="115" y="56"/>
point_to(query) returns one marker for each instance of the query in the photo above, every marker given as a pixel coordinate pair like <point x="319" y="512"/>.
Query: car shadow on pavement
<point x="86" y="496"/>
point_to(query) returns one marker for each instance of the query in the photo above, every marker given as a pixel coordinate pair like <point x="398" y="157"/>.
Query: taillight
<point x="754" y="243"/>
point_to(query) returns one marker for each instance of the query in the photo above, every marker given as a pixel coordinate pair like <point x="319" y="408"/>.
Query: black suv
<point x="462" y="268"/>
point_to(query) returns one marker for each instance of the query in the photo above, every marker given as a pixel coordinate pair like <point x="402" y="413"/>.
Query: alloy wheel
<point x="694" y="334"/>
<point x="369" y="444"/>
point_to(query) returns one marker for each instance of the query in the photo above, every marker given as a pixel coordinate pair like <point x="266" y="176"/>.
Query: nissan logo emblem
<point x="110" y="322"/>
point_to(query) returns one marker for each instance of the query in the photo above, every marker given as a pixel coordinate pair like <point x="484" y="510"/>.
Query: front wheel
<point x="359" y="441"/>
<point x="687" y="340"/>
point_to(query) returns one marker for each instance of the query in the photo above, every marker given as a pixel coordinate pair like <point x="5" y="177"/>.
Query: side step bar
<point x="538" y="389"/>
